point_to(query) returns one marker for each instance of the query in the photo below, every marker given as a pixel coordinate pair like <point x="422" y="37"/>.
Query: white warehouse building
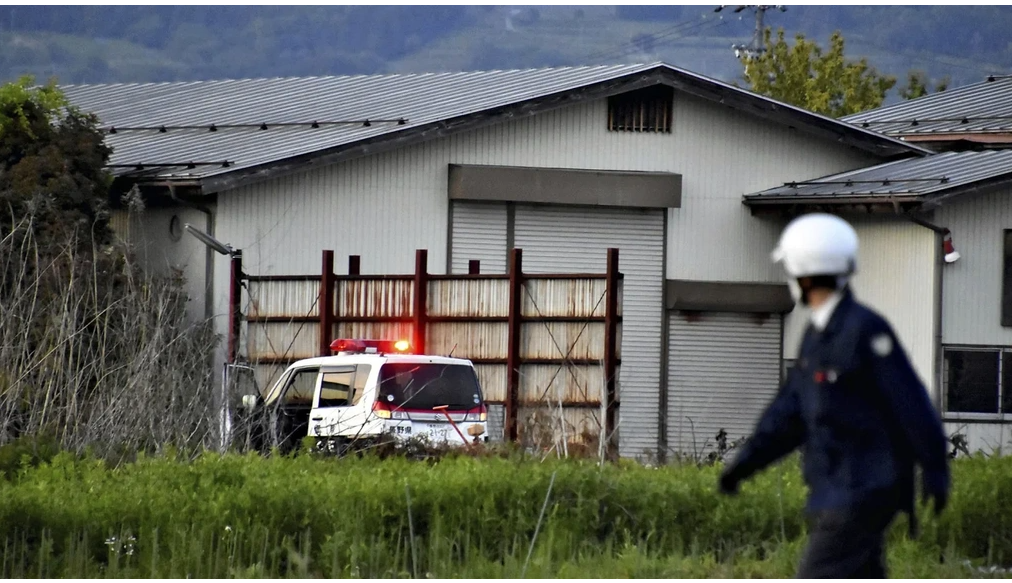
<point x="690" y="178"/>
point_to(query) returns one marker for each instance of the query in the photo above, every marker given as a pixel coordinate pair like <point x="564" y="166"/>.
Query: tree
<point x="917" y="85"/>
<point x="52" y="161"/>
<point x="823" y="82"/>
<point x="94" y="353"/>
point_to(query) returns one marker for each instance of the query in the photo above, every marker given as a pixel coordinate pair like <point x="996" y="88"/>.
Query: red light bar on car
<point x="371" y="346"/>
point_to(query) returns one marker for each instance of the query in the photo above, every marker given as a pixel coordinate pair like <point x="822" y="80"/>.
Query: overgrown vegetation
<point x="455" y="516"/>
<point x="94" y="354"/>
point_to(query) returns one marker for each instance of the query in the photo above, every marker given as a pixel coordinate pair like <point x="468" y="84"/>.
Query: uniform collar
<point x="821" y="315"/>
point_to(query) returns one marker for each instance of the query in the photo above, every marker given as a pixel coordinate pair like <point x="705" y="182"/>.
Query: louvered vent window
<point x="645" y="110"/>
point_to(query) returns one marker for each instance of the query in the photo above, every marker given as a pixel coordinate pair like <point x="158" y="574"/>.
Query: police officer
<point x="855" y="407"/>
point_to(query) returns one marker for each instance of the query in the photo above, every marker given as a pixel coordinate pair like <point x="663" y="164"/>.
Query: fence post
<point x="234" y="308"/>
<point x="513" y="343"/>
<point x="611" y="347"/>
<point x="474" y="267"/>
<point x="420" y="299"/>
<point x="354" y="265"/>
<point x="326" y="302"/>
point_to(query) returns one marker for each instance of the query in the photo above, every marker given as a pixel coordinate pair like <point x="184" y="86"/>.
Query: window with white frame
<point x="977" y="381"/>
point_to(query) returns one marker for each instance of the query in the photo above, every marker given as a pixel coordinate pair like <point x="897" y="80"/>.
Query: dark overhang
<point x="720" y="296"/>
<point x="556" y="185"/>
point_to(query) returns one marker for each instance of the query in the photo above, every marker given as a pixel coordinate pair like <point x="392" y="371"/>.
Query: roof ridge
<point x="291" y="78"/>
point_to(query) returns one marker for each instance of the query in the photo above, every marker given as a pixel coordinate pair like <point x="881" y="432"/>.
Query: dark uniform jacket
<point x="855" y="406"/>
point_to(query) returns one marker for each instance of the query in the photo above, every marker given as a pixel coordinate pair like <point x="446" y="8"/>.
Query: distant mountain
<point x="92" y="44"/>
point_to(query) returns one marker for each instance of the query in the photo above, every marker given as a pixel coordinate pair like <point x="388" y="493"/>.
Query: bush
<point x="246" y="516"/>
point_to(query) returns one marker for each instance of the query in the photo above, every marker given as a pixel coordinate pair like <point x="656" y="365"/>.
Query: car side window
<point x="300" y="388"/>
<point x="362" y="372"/>
<point x="343" y="387"/>
<point x="336" y="388"/>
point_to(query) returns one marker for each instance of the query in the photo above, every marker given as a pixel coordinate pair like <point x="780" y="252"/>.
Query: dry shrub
<point x="94" y="354"/>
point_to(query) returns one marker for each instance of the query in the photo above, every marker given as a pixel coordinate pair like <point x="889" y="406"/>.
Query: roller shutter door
<point x="723" y="370"/>
<point x="575" y="239"/>
<point x="478" y="232"/>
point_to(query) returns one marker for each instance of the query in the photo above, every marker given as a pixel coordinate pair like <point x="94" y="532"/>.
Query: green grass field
<point x="248" y="516"/>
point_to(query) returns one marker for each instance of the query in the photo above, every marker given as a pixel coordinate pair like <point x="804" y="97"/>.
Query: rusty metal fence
<point x="546" y="346"/>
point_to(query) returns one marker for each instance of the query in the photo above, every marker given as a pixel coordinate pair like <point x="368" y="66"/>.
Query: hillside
<point x="161" y="43"/>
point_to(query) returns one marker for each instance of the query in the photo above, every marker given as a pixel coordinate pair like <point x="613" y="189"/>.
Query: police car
<point x="371" y="389"/>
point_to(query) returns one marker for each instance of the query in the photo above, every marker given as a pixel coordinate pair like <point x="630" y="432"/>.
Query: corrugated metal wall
<point x="897" y="269"/>
<point x="723" y="370"/>
<point x="971" y="292"/>
<point x="575" y="240"/>
<point x="724" y="154"/>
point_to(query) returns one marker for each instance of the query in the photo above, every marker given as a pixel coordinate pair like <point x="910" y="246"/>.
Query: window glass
<point x="417" y="386"/>
<point x="362" y="372"/>
<point x="335" y="388"/>
<point x="971" y="381"/>
<point x="344" y="387"/>
<point x="300" y="387"/>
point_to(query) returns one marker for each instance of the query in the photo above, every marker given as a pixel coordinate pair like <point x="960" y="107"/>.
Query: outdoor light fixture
<point x="211" y="241"/>
<point x="951" y="255"/>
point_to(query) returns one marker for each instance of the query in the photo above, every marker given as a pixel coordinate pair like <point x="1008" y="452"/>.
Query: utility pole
<point x="757" y="46"/>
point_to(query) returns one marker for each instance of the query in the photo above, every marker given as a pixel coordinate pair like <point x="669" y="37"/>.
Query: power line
<point x="964" y="63"/>
<point x="634" y="45"/>
<point x="676" y="32"/>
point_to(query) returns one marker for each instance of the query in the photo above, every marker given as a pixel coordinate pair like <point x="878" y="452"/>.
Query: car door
<point x="293" y="406"/>
<point x="338" y="408"/>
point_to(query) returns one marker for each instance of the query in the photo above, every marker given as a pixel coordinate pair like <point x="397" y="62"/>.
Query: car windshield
<point x="424" y="386"/>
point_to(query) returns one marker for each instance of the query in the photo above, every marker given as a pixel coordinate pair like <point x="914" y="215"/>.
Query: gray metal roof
<point x="394" y="105"/>
<point x="984" y="107"/>
<point x="921" y="178"/>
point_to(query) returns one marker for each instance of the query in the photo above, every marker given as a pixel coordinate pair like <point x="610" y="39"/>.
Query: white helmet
<point x="817" y="244"/>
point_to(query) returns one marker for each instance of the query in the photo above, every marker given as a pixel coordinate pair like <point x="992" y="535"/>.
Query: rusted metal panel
<point x="282" y="340"/>
<point x="325" y="302"/>
<point x="549" y="384"/>
<point x="515" y="334"/>
<point x="475" y="340"/>
<point x="374" y="297"/>
<point x="544" y="427"/>
<point x="469" y="297"/>
<point x="419" y="300"/>
<point x="234" y="308"/>
<point x="283" y="298"/>
<point x="493" y="382"/>
<point x="576" y="340"/>
<point x="374" y="330"/>
<point x="564" y="297"/>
